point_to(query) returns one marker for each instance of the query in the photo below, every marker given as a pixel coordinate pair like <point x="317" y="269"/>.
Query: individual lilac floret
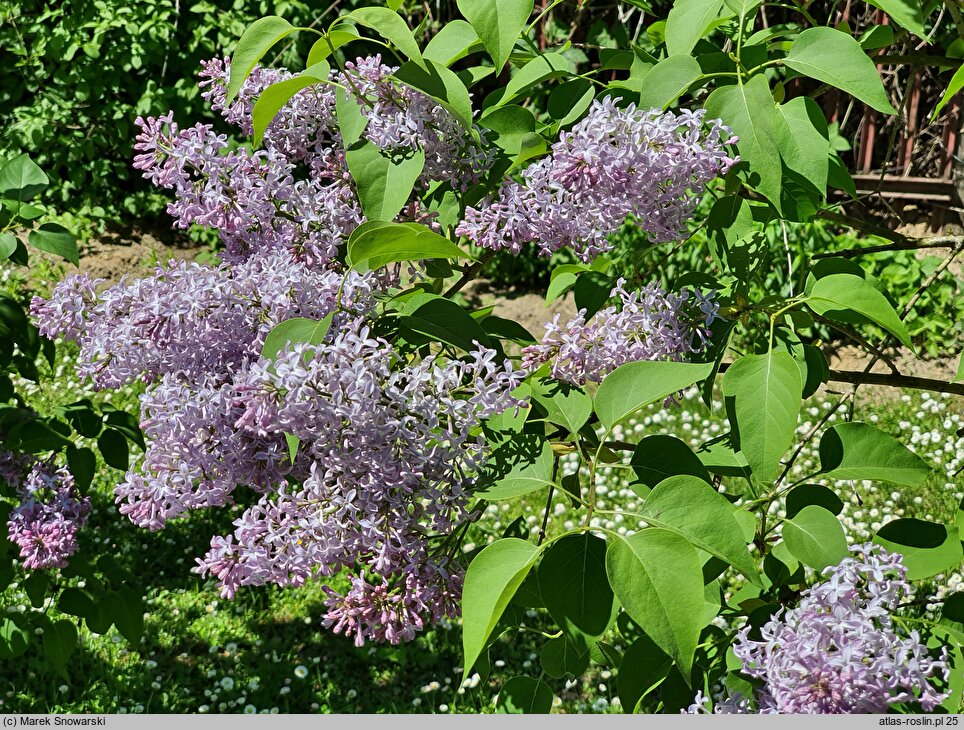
<point x="646" y="325"/>
<point x="44" y="526"/>
<point x="838" y="651"/>
<point x="702" y="705"/>
<point x="613" y="164"/>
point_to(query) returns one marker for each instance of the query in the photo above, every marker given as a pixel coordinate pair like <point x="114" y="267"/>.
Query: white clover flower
<point x="301" y="671"/>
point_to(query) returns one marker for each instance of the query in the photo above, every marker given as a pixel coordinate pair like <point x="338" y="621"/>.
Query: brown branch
<point x="470" y="273"/>
<point x="877" y="353"/>
<point x="893" y="380"/>
<point x="910" y="244"/>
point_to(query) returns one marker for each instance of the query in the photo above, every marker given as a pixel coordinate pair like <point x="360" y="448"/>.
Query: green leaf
<point x="36" y="586"/>
<point x="562" y="278"/>
<point x="8" y="244"/>
<point x="294" y="331"/>
<point x="660" y="456"/>
<point x="521" y="465"/>
<point x="928" y="548"/>
<point x="764" y="395"/>
<point x="54" y="238"/>
<point x="743" y="8"/>
<point x="657" y="577"/>
<point x="748" y="110"/>
<point x="643" y="666"/>
<point x="815" y="536"/>
<point x="13" y="639"/>
<point x="383" y="184"/>
<point x="570" y="100"/>
<point x="560" y="658"/>
<point x="113" y="447"/>
<point x="687" y="22"/>
<point x="803" y="140"/>
<point x="861" y="451"/>
<point x="256" y="40"/>
<point x="390" y="26"/>
<point x="690" y="507"/>
<point x="808" y="494"/>
<point x="36" y="436"/>
<point x="21" y="179"/>
<point x="959" y="375"/>
<point x="498" y="24"/>
<point x="126" y="610"/>
<point x="953" y="87"/>
<point x="907" y="13"/>
<point x="567" y="405"/>
<point x="386" y="243"/>
<point x="60" y="641"/>
<point x="845" y="292"/>
<point x="491" y="580"/>
<point x="351" y="120"/>
<point x="575" y="588"/>
<point x="636" y="384"/>
<point x="441" y="84"/>
<point x="75" y="602"/>
<point x="524" y="695"/>
<point x="451" y="43"/>
<point x="667" y="81"/>
<point x="511" y="123"/>
<point x="445" y="321"/>
<point x="507" y="329"/>
<point x="834" y="57"/>
<point x="539" y="69"/>
<point x="274" y="97"/>
<point x="333" y="40"/>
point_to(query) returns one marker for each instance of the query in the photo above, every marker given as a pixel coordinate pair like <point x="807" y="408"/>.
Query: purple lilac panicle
<point x="45" y="523"/>
<point x="838" y="651"/>
<point x="613" y="164"/>
<point x="646" y="325"/>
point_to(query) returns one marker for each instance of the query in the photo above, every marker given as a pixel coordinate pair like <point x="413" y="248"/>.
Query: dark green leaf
<point x="803" y="140"/>
<point x="560" y="658"/>
<point x="13" y="639"/>
<point x="661" y="456"/>
<point x="83" y="465"/>
<point x="445" y="321"/>
<point x="36" y="586"/>
<point x="60" y="641"/>
<point x="570" y="100"/>
<point x="113" y="447"/>
<point x="524" y="695"/>
<point x="643" y="666"/>
<point x="441" y="84"/>
<point x="54" y="238"/>
<point x="928" y="548"/>
<point x="907" y="13"/>
<point x="807" y="494"/>
<point x="21" y="179"/>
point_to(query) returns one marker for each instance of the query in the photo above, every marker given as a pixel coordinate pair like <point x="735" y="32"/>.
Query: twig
<point x="858" y="339"/>
<point x="894" y="380"/>
<point x="910" y="244"/>
<point x="470" y="273"/>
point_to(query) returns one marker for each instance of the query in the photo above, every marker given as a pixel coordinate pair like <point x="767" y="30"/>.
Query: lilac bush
<point x="838" y="651"/>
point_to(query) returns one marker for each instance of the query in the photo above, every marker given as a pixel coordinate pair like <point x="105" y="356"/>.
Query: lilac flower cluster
<point x="838" y="651"/>
<point x="613" y="164"/>
<point x="45" y="523"/>
<point x="646" y="325"/>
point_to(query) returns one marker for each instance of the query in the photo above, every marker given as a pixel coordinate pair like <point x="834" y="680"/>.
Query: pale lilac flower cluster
<point x="613" y="164"/>
<point x="838" y="651"/>
<point x="650" y="324"/>
<point x="45" y="523"/>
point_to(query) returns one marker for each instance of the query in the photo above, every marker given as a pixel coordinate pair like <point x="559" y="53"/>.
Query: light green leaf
<point x="562" y="278"/>
<point x="21" y="179"/>
<point x="351" y="120"/>
<point x="842" y="292"/>
<point x="834" y="57"/>
<point x="815" y="537"/>
<point x="928" y="548"/>
<point x="491" y="580"/>
<point x="256" y="40"/>
<point x="667" y="81"/>
<point x="803" y="139"/>
<point x="690" y="507"/>
<point x="441" y="84"/>
<point x="861" y="451"/>
<point x="383" y="185"/>
<point x="748" y="110"/>
<point x="959" y="375"/>
<point x="743" y="8"/>
<point x="332" y="40"/>
<point x="687" y="22"/>
<point x="294" y="331"/>
<point x="955" y="85"/>
<point x="567" y="405"/>
<point x="8" y="244"/>
<point x="498" y="24"/>
<point x="539" y="69"/>
<point x="451" y="43"/>
<point x="380" y="243"/>
<point x="390" y="26"/>
<point x="575" y="588"/>
<point x="636" y="384"/>
<point x="657" y="577"/>
<point x="907" y="13"/>
<point x="523" y="464"/>
<point x="764" y="394"/>
<point x="273" y="98"/>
